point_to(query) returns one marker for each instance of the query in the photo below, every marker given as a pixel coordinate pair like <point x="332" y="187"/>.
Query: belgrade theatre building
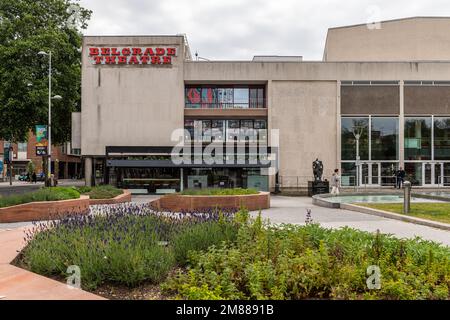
<point x="155" y="120"/>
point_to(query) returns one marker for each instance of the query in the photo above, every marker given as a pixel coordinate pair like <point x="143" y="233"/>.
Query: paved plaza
<point x="293" y="210"/>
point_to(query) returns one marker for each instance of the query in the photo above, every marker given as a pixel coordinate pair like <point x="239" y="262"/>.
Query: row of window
<point x="226" y="130"/>
<point x="224" y="98"/>
<point x="426" y="138"/>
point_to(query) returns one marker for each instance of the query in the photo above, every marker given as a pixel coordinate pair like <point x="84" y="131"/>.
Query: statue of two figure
<point x="317" y="170"/>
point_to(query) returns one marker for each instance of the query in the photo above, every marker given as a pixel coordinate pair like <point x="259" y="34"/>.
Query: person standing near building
<point x="34" y="177"/>
<point x="400" y="177"/>
<point x="335" y="182"/>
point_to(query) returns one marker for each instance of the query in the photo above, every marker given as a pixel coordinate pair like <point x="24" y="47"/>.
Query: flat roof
<point x="392" y="20"/>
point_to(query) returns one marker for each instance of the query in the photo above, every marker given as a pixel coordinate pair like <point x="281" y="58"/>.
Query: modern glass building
<point x="379" y="100"/>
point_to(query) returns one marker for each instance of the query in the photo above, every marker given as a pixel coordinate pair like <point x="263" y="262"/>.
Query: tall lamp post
<point x="57" y="97"/>
<point x="357" y="132"/>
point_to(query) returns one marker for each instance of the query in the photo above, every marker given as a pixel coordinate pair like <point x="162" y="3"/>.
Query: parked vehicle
<point x="24" y="177"/>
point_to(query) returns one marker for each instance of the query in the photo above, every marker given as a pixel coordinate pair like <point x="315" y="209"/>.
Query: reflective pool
<point x="374" y="199"/>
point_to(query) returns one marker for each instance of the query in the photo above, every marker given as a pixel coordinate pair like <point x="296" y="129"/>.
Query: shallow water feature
<point x="374" y="199"/>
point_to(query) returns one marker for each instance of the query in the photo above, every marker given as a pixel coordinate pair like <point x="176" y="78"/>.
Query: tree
<point x="27" y="27"/>
<point x="31" y="168"/>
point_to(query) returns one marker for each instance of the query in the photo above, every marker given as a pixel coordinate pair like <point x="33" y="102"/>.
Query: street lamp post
<point x="357" y="132"/>
<point x="57" y="97"/>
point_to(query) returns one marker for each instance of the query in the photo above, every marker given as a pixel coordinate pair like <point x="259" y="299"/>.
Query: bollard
<point x="407" y="197"/>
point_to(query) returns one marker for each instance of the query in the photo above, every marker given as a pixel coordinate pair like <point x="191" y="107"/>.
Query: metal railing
<point x="443" y="181"/>
<point x="295" y="182"/>
<point x="383" y="181"/>
<point x="257" y="104"/>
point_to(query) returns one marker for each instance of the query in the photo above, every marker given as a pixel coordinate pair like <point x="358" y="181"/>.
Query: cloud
<point x="237" y="29"/>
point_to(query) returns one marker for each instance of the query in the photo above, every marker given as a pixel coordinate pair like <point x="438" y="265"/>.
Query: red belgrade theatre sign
<point x="105" y="55"/>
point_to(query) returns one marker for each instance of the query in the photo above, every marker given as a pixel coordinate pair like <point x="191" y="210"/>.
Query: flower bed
<point x="179" y="202"/>
<point x="43" y="194"/>
<point x="123" y="244"/>
<point x="230" y="256"/>
<point x="121" y="198"/>
<point x="44" y="210"/>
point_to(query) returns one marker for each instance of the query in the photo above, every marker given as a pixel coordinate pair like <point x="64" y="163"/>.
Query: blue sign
<point x="1" y="166"/>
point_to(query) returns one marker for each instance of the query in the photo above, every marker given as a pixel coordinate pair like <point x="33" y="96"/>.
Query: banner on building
<point x="7" y="153"/>
<point x="41" y="140"/>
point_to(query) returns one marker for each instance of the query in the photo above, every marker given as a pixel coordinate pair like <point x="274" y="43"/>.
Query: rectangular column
<point x="181" y="180"/>
<point x="401" y="126"/>
<point x="338" y="125"/>
<point x="88" y="171"/>
<point x="66" y="170"/>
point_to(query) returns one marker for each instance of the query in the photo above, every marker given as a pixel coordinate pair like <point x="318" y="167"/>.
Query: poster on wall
<point x="41" y="140"/>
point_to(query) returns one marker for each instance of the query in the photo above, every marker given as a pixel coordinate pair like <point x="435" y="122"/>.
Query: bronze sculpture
<point x="317" y="170"/>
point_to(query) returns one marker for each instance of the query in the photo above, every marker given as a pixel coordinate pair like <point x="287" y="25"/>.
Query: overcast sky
<point x="240" y="29"/>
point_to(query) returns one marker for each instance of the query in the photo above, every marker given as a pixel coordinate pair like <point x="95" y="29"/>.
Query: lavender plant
<point x="122" y="243"/>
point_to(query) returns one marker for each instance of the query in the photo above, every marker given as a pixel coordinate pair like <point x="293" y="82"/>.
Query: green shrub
<point x="125" y="245"/>
<point x="84" y="189"/>
<point x="201" y="236"/>
<point x="219" y="192"/>
<point x="43" y="194"/>
<point x="303" y="262"/>
<point x="100" y="192"/>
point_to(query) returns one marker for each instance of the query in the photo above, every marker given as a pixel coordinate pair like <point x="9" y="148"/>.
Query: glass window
<point x="232" y="130"/>
<point x="384" y="138"/>
<point x="350" y="127"/>
<point x="247" y="133"/>
<point x="261" y="98"/>
<point x="261" y="127"/>
<point x="206" y="130"/>
<point x="260" y="124"/>
<point x="225" y="98"/>
<point x="348" y="174"/>
<point x="417" y="138"/>
<point x="217" y="130"/>
<point x="253" y="98"/>
<point x="22" y="147"/>
<point x="209" y="98"/>
<point x="441" y="138"/>
<point x="414" y="173"/>
<point x="193" y="97"/>
<point x="189" y="126"/>
<point x="198" y="130"/>
<point x="241" y="97"/>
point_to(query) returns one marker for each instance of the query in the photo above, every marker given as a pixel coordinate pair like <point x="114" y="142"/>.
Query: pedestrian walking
<point x="400" y="177"/>
<point x="34" y="177"/>
<point x="335" y="182"/>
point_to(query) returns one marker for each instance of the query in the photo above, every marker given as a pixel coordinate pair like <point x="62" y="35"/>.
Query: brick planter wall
<point x="44" y="210"/>
<point x="178" y="202"/>
<point x="124" y="197"/>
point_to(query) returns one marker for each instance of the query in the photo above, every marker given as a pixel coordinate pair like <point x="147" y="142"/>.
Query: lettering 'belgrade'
<point x="106" y="55"/>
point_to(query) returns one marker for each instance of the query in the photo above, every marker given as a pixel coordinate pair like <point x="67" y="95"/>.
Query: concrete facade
<point x="131" y="105"/>
<point x="135" y="105"/>
<point x="410" y="39"/>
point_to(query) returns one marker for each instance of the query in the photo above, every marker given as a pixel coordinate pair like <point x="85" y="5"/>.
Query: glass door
<point x="375" y="177"/>
<point x="445" y="174"/>
<point x="364" y="174"/>
<point x="428" y="174"/>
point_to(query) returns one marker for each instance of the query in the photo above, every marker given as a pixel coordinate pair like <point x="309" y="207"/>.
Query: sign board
<point x="132" y="55"/>
<point x="41" y="151"/>
<point x="41" y="140"/>
<point x="7" y="153"/>
<point x="1" y="167"/>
